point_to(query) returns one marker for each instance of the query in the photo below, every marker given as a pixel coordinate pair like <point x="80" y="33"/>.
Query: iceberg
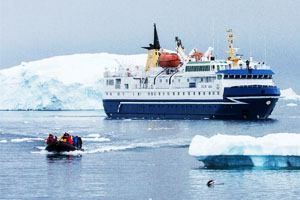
<point x="71" y="82"/>
<point x="289" y="94"/>
<point x="273" y="150"/>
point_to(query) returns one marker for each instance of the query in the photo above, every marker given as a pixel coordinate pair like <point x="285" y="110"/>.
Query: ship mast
<point x="231" y="50"/>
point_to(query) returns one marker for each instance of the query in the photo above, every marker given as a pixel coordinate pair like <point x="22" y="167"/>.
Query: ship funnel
<point x="153" y="51"/>
<point x="155" y="44"/>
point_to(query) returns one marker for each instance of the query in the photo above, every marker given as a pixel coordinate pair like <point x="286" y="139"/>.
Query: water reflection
<point x="58" y="157"/>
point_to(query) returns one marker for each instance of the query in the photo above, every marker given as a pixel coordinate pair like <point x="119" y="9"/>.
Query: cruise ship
<point x="176" y="85"/>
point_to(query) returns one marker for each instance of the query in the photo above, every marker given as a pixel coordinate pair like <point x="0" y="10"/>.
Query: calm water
<point x="133" y="159"/>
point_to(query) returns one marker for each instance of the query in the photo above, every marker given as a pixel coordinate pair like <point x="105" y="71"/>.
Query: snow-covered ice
<point x="290" y="94"/>
<point x="271" y="144"/>
<point x="71" y="82"/>
<point x="274" y="150"/>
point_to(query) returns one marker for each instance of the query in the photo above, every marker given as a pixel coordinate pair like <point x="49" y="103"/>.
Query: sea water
<point x="134" y="159"/>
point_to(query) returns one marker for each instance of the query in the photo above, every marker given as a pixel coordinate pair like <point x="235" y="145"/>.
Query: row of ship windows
<point x="203" y="79"/>
<point x="246" y="77"/>
<point x="167" y="93"/>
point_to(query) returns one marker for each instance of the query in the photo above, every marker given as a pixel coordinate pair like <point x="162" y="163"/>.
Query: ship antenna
<point x="231" y="50"/>
<point x="213" y="34"/>
<point x="265" y="49"/>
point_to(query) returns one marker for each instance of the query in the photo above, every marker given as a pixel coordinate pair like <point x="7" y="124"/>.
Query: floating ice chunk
<point x="26" y="140"/>
<point x="273" y="150"/>
<point x="96" y="139"/>
<point x="289" y="94"/>
<point x="272" y="144"/>
<point x="292" y="104"/>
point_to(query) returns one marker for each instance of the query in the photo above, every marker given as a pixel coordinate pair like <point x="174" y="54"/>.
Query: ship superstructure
<point x="195" y="86"/>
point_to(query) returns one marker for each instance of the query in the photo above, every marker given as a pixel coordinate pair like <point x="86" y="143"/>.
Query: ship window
<point x="148" y="93"/>
<point x="255" y="76"/>
<point x="199" y="93"/>
<point x="126" y="86"/>
<point x="203" y="93"/>
<point x="197" y="68"/>
<point x="192" y="85"/>
<point x="225" y="76"/>
<point x="208" y="93"/>
<point x="118" y="93"/>
<point x="163" y="93"/>
<point x="173" y="93"/>
<point x="219" y="76"/>
<point x="243" y="76"/>
<point x="118" y="81"/>
<point x="179" y="80"/>
<point x="110" y="82"/>
<point x="260" y="76"/>
<point x="231" y="76"/>
<point x="187" y="80"/>
<point x="160" y="80"/>
<point x="168" y="93"/>
<point x="106" y="93"/>
<point x="218" y="93"/>
<point x="110" y="94"/>
<point x="172" y="80"/>
<point x="270" y="76"/>
<point x="194" y="93"/>
<point x="249" y="76"/>
<point x="182" y="93"/>
<point x="159" y="93"/>
<point x="188" y="93"/>
<point x="238" y="76"/>
<point x="265" y="76"/>
<point x="178" y="93"/>
<point x="213" y="93"/>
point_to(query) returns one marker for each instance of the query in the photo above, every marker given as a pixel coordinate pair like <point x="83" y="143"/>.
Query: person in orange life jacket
<point x="64" y="137"/>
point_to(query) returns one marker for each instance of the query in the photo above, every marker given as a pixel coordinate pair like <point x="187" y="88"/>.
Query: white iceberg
<point x="273" y="150"/>
<point x="289" y="94"/>
<point x="71" y="82"/>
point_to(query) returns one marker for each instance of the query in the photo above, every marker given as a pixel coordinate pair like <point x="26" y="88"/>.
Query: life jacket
<point x="69" y="140"/>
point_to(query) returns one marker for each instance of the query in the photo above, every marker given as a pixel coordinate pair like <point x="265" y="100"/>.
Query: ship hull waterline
<point x="250" y="108"/>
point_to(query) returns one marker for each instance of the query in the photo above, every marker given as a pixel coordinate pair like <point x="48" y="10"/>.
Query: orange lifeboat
<point x="197" y="55"/>
<point x="169" y="60"/>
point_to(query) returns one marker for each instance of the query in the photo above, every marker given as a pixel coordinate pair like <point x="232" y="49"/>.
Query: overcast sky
<point x="36" y="29"/>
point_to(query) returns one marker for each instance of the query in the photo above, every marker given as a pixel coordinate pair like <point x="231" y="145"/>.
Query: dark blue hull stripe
<point x="231" y="108"/>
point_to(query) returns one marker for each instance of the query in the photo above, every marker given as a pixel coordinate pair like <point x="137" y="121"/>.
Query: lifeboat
<point x="197" y="55"/>
<point x="169" y="60"/>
